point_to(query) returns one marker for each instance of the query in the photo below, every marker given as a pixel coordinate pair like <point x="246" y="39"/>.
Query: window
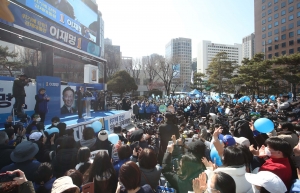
<point x="263" y="36"/>
<point x="291" y="17"/>
<point x="291" y="51"/>
<point x="263" y="21"/>
<point x="275" y="1"/>
<point x="298" y="40"/>
<point x="298" y="49"/>
<point x="263" y="43"/>
<point x="263" y="1"/>
<point x="291" y="1"/>
<point x="269" y="33"/>
<point x="269" y="11"/>
<point x="298" y="5"/>
<point x="269" y="41"/>
<point x="263" y="7"/>
<point x="276" y="46"/>
<point x="264" y="29"/>
<point x="283" y="4"/>
<point x="269" y="56"/>
<point x="291" y="8"/>
<point x="276" y="23"/>
<point x="291" y="42"/>
<point x="283" y="12"/>
<point x="298" y="23"/>
<point x="283" y="52"/>
<point x="276" y="54"/>
<point x="291" y="25"/>
<point x="283" y="45"/>
<point x="291" y="34"/>
<point x="263" y="14"/>
<point x="276" y="8"/>
<point x="298" y="32"/>
<point x="283" y="20"/>
<point x="270" y="18"/>
<point x="269" y="4"/>
<point x="269" y="26"/>
<point x="276" y="16"/>
<point x="298" y="14"/>
<point x="276" y="39"/>
<point x="270" y="48"/>
<point x="283" y="37"/>
<point x="276" y="31"/>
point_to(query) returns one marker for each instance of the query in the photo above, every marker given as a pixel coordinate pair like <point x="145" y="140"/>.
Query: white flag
<point x="192" y="77"/>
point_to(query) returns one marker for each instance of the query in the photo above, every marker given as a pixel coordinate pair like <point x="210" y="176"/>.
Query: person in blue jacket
<point x="148" y="110"/>
<point x="41" y="105"/>
<point x="141" y="110"/>
<point x="154" y="109"/>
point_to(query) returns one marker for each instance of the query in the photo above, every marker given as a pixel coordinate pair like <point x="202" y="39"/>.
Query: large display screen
<point x="30" y="22"/>
<point x="72" y="14"/>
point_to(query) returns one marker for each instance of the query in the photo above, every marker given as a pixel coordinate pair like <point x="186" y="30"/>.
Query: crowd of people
<point x="195" y="146"/>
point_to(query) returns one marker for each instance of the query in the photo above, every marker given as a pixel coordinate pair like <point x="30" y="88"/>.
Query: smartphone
<point x="170" y="143"/>
<point x="136" y="146"/>
<point x="5" y="177"/>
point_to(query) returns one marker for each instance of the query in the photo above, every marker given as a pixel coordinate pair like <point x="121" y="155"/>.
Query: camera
<point x="5" y="177"/>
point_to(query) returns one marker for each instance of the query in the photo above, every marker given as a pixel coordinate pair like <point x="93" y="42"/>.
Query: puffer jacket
<point x="64" y="160"/>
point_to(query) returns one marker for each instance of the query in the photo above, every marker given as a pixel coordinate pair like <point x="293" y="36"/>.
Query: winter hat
<point x="24" y="151"/>
<point x="35" y="136"/>
<point x="102" y="135"/>
<point x="136" y="135"/>
<point x="62" y="184"/>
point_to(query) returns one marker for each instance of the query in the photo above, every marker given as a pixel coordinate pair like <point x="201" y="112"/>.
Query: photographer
<point x="19" y="92"/>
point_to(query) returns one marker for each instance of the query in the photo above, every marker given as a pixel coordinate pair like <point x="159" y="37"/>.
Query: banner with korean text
<point x="122" y="120"/>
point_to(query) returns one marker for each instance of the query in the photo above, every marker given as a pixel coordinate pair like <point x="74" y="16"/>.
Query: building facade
<point x="180" y="50"/>
<point x="248" y="46"/>
<point x="208" y="50"/>
<point x="277" y="27"/>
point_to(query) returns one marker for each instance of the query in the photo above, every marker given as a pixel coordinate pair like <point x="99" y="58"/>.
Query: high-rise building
<point x="248" y="46"/>
<point x="180" y="50"/>
<point x="277" y="26"/>
<point x="208" y="50"/>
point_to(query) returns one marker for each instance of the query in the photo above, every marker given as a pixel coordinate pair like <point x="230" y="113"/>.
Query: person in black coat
<point x="166" y="131"/>
<point x="80" y="96"/>
<point x="5" y="150"/>
<point x="19" y="92"/>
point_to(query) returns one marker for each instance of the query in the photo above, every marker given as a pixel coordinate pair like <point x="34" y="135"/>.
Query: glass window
<point x="275" y="1"/>
<point x="291" y="34"/>
<point x="276" y="31"/>
<point x="269" y="11"/>
<point x="298" y="32"/>
<point x="291" y="42"/>
<point x="269" y="33"/>
<point x="263" y="21"/>
<point x="283" y="45"/>
<point x="283" y="12"/>
<point x="269" y="41"/>
<point x="270" y="48"/>
<point x="263" y="7"/>
<point x="263" y="36"/>
<point x="276" y="23"/>
<point x="291" y="25"/>
<point x="291" y="1"/>
<point x="298" y="23"/>
<point x="269" y="56"/>
<point x="283" y="37"/>
<point x="263" y="1"/>
<point x="263" y="43"/>
<point x="264" y="29"/>
<point x="298" y="5"/>
<point x="276" y="54"/>
<point x="263" y="14"/>
<point x="276" y="39"/>
<point x="276" y="46"/>
<point x="283" y="20"/>
<point x="283" y="4"/>
<point x="269" y="4"/>
<point x="298" y="14"/>
<point x="298" y="49"/>
<point x="291" y="8"/>
<point x="291" y="51"/>
<point x="276" y="8"/>
<point x="269" y="26"/>
<point x="291" y="17"/>
<point x="270" y="18"/>
<point x="298" y="40"/>
<point x="283" y="52"/>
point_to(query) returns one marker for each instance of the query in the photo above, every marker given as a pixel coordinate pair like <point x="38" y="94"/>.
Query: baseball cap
<point x="228" y="140"/>
<point x="102" y="135"/>
<point x="35" y="136"/>
<point x="242" y="141"/>
<point x="268" y="180"/>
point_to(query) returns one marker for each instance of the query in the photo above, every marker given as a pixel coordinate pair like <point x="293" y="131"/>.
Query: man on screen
<point x="64" y="6"/>
<point x="68" y="98"/>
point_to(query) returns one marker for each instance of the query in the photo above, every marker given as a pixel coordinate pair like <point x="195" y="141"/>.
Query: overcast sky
<point x="143" y="27"/>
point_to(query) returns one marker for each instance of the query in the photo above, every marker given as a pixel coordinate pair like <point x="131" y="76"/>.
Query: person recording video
<point x="19" y="92"/>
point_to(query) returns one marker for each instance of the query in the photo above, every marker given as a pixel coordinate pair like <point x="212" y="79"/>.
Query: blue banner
<point x="65" y="12"/>
<point x="47" y="29"/>
<point x="52" y="86"/>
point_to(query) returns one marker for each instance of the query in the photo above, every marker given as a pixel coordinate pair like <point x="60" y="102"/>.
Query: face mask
<point x="38" y="119"/>
<point x="55" y="124"/>
<point x="267" y="151"/>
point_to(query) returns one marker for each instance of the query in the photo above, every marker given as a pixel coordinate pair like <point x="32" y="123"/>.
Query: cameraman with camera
<point x="19" y="92"/>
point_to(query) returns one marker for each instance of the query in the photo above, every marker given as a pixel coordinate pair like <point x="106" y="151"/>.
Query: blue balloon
<point x="197" y="95"/>
<point x="272" y="98"/>
<point x="234" y="101"/>
<point x="258" y="100"/>
<point x="97" y="126"/>
<point x="214" y="156"/>
<point x="188" y="107"/>
<point x="113" y="138"/>
<point x="185" y="110"/>
<point x="264" y="125"/>
<point x="247" y="99"/>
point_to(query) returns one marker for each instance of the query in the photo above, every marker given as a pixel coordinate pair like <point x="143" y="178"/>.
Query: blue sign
<point x="29" y="21"/>
<point x="52" y="86"/>
<point x="74" y="15"/>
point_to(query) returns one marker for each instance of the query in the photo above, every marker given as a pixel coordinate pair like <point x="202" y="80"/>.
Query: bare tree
<point x="31" y="59"/>
<point x="133" y="67"/>
<point x="113" y="56"/>
<point x="150" y="67"/>
<point x="9" y="61"/>
<point x="167" y="72"/>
